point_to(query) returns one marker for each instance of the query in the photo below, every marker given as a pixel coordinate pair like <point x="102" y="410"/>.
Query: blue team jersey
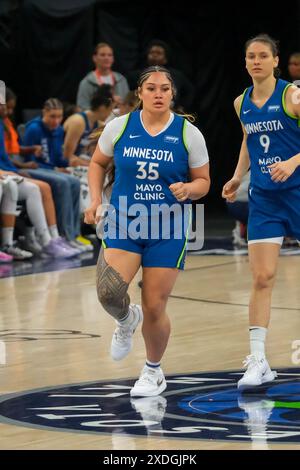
<point x="273" y="136"/>
<point x="146" y="165"/>
<point x="84" y="139"/>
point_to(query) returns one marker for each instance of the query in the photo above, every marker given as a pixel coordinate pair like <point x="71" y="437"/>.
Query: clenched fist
<point x="181" y="191"/>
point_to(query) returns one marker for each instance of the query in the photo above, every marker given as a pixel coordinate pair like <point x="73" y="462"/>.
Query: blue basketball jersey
<point x="84" y="139"/>
<point x="273" y="136"/>
<point x="146" y="165"/>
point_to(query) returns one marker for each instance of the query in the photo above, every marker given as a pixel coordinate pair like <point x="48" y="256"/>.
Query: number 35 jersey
<point x="273" y="135"/>
<point x="146" y="165"/>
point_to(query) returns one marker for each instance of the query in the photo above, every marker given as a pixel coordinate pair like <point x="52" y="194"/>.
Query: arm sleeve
<point x="198" y="154"/>
<point x="110" y="133"/>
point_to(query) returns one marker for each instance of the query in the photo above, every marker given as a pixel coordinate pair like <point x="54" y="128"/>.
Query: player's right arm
<point x="230" y="188"/>
<point x="96" y="175"/>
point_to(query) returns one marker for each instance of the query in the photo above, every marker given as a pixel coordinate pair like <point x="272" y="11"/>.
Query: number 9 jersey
<point x="273" y="135"/>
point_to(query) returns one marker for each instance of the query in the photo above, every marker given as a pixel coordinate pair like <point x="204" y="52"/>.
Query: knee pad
<point x="111" y="289"/>
<point x="10" y="187"/>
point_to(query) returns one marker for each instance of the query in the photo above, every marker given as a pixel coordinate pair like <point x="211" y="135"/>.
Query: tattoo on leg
<point x="111" y="289"/>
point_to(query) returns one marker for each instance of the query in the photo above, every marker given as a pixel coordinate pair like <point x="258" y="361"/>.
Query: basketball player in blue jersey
<point x="155" y="152"/>
<point x="270" y="115"/>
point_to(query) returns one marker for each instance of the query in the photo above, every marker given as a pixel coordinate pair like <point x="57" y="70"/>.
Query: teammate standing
<point x="270" y="115"/>
<point x="155" y="152"/>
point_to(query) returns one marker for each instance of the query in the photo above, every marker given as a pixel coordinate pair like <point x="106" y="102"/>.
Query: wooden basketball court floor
<point x="208" y="310"/>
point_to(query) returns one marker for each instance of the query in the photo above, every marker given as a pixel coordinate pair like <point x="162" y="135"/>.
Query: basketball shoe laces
<point x="148" y="376"/>
<point x="251" y="362"/>
<point x="123" y="334"/>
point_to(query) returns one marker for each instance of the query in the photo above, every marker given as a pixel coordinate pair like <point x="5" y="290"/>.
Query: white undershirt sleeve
<point x="110" y="133"/>
<point x="198" y="155"/>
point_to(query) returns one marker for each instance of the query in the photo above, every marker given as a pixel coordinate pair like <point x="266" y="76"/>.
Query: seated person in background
<point x="294" y="67"/>
<point x="48" y="132"/>
<point x="12" y="146"/>
<point x="79" y="126"/>
<point x="22" y="189"/>
<point x="5" y="210"/>
<point x="158" y="53"/>
<point x="103" y="59"/>
<point x="17" y="188"/>
<point x="6" y="164"/>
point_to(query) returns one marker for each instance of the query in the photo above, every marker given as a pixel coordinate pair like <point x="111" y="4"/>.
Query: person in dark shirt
<point x="158" y="53"/>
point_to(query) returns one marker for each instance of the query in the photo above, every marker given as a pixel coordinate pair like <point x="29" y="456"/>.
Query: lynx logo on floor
<point x="195" y="406"/>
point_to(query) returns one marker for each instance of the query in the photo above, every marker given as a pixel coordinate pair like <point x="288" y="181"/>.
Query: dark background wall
<point x="46" y="48"/>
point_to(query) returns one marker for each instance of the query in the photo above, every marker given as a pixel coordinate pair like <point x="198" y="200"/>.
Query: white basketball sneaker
<point x="258" y="372"/>
<point x="151" y="383"/>
<point x="121" y="343"/>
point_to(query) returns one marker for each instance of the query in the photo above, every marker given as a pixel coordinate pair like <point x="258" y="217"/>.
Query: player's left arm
<point x="197" y="188"/>
<point x="198" y="162"/>
<point x="283" y="170"/>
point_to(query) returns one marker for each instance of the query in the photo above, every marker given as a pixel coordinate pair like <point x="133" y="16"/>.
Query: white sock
<point x="53" y="231"/>
<point x="152" y="365"/>
<point x="257" y="340"/>
<point x="7" y="236"/>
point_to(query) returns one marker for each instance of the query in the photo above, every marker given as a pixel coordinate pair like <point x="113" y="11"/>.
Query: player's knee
<point x="154" y="308"/>
<point x="112" y="297"/>
<point x="10" y="189"/>
<point x="111" y="290"/>
<point x="263" y="279"/>
<point x="35" y="191"/>
<point x="108" y="296"/>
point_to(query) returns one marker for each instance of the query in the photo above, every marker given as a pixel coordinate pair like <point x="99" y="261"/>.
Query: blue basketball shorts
<point x="157" y="250"/>
<point x="273" y="214"/>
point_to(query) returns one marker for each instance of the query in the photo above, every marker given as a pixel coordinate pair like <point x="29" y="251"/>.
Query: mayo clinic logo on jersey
<point x="265" y="162"/>
<point x="202" y="405"/>
<point x="170" y="139"/>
